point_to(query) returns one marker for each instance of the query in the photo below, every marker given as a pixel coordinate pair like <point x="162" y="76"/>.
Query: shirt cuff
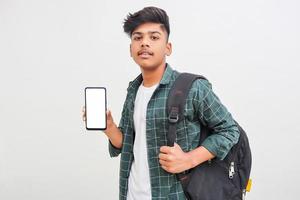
<point x="113" y="151"/>
<point x="218" y="148"/>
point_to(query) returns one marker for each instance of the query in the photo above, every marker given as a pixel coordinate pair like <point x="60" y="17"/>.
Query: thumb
<point x="176" y="146"/>
<point x="109" y="115"/>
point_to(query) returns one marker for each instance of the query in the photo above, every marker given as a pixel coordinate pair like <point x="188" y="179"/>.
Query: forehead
<point x="148" y="28"/>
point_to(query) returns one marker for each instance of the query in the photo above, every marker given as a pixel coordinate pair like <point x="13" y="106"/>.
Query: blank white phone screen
<point x="95" y="102"/>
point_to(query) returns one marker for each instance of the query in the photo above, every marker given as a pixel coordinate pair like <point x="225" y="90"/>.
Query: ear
<point x="168" y="49"/>
<point x="130" y="50"/>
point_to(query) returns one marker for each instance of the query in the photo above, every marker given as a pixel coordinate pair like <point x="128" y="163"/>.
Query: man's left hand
<point x="173" y="159"/>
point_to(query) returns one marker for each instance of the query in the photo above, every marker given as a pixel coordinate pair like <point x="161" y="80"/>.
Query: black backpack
<point x="215" y="179"/>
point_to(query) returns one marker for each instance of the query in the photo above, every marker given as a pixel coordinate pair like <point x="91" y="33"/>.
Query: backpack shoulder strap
<point x="176" y="102"/>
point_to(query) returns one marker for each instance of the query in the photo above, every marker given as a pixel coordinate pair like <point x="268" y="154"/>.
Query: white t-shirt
<point x="139" y="187"/>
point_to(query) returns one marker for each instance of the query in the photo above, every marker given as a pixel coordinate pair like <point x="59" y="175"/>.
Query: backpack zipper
<point x="244" y="195"/>
<point x="231" y="170"/>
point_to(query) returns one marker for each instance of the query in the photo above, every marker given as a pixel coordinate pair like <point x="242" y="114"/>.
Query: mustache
<point x="145" y="51"/>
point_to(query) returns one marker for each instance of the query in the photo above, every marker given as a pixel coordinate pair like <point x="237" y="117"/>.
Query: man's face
<point x="149" y="46"/>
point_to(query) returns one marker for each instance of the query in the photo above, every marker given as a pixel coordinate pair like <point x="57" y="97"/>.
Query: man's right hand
<point x="112" y="131"/>
<point x="110" y="124"/>
<point x="109" y="120"/>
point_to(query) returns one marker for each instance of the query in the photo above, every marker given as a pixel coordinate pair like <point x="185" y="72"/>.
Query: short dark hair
<point x="147" y="14"/>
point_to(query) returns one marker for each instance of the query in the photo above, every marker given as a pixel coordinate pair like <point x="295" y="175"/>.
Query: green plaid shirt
<point x="202" y="106"/>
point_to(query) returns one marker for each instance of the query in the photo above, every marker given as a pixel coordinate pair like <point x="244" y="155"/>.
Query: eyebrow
<point x="149" y="32"/>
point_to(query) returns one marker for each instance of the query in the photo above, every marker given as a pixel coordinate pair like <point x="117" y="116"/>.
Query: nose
<point x="145" y="42"/>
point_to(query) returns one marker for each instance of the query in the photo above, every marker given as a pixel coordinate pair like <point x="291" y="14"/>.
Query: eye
<point x="137" y="38"/>
<point x="154" y="38"/>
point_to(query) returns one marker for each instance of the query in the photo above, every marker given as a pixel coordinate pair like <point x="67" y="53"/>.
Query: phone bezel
<point x="95" y="129"/>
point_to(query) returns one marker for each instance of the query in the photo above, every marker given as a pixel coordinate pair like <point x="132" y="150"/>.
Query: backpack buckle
<point x="173" y="117"/>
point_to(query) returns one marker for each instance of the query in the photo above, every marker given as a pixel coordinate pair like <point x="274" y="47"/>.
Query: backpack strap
<point x="176" y="102"/>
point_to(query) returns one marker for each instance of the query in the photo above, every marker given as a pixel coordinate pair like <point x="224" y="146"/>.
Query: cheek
<point x="160" y="52"/>
<point x="133" y="48"/>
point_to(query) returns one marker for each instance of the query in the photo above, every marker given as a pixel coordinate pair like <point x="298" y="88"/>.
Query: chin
<point x="146" y="65"/>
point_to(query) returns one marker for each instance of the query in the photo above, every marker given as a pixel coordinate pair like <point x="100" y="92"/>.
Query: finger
<point x="167" y="169"/>
<point x="166" y="157"/>
<point x="163" y="156"/>
<point x="164" y="163"/>
<point x="164" y="167"/>
<point x="108" y="114"/>
<point x="83" y="109"/>
<point x="165" y="149"/>
<point x="84" y="118"/>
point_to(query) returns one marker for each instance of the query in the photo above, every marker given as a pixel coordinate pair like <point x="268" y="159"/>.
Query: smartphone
<point x="95" y="108"/>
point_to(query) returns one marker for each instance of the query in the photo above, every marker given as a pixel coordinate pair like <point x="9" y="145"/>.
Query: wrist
<point x="198" y="156"/>
<point x="191" y="162"/>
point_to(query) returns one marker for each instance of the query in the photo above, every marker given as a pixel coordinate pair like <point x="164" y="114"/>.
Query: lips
<point x="145" y="53"/>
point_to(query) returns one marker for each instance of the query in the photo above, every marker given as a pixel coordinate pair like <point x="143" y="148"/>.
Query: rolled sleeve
<point x="113" y="151"/>
<point x="214" y="114"/>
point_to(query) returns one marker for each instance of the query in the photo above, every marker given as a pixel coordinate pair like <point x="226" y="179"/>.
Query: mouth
<point x="145" y="54"/>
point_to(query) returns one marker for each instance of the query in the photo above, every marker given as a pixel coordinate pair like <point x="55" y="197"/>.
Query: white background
<point x="51" y="50"/>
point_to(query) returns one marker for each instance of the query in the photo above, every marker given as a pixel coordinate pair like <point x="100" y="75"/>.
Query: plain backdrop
<point x="51" y="50"/>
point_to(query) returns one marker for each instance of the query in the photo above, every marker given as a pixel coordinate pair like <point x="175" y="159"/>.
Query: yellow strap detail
<point x="248" y="188"/>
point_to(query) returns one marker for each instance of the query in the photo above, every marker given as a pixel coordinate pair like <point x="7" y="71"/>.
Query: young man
<point x="148" y="166"/>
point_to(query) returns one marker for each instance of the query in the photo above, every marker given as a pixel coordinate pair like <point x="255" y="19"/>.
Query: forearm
<point x="224" y="132"/>
<point x="115" y="136"/>
<point x="198" y="156"/>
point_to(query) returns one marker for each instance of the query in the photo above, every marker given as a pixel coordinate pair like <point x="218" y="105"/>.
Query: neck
<point x="152" y="77"/>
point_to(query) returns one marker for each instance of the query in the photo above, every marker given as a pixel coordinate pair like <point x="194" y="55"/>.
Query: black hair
<point x="147" y="14"/>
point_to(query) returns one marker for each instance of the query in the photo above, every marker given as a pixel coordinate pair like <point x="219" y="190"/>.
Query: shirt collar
<point x="133" y="85"/>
